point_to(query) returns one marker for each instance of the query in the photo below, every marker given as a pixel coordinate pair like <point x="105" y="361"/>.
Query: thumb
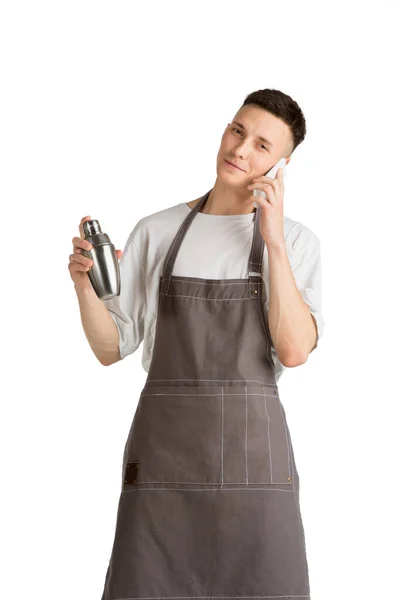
<point x="119" y="254"/>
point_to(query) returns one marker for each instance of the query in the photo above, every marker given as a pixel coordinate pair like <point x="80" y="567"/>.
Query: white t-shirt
<point x="214" y="247"/>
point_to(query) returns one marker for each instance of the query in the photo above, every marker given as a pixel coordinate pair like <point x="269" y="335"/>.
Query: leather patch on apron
<point x="131" y="472"/>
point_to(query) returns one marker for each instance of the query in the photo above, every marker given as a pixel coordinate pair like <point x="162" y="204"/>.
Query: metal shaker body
<point x="104" y="274"/>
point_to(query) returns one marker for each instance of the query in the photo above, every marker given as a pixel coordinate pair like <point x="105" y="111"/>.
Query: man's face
<point x="241" y="145"/>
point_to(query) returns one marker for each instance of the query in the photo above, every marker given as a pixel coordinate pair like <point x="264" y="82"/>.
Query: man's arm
<point x="99" y="326"/>
<point x="292" y="326"/>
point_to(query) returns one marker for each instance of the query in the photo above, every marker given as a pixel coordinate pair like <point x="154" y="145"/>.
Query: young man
<point x="225" y="297"/>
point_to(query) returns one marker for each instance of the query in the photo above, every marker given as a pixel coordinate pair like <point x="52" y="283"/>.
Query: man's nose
<point x="241" y="150"/>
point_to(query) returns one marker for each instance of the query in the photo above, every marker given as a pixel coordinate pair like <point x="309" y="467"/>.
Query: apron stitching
<point x="226" y="393"/>
<point x="209" y="299"/>
<point x="207" y="597"/>
<point x="269" y="438"/>
<point x="247" y="474"/>
<point x="287" y="441"/>
<point x="156" y="327"/>
<point x="241" y="380"/>
<point x="270" y="345"/>
<point x="212" y="483"/>
<point x="223" y="282"/>
<point x="253" y="243"/>
<point x="222" y="435"/>
<point x="216" y="489"/>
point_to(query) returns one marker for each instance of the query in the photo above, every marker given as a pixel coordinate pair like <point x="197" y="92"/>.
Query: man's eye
<point x="236" y="129"/>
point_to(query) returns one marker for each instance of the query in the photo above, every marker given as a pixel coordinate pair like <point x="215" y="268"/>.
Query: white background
<point x="116" y="110"/>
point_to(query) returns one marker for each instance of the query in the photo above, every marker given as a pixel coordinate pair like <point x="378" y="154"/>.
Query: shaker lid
<point x="91" y="227"/>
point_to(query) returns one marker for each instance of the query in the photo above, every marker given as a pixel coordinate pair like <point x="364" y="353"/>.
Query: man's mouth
<point x="233" y="165"/>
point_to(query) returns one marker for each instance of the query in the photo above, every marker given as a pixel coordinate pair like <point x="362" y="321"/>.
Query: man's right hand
<point x="79" y="265"/>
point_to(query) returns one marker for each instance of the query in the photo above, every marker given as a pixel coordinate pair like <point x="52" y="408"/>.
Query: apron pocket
<point x="176" y="437"/>
<point x="269" y="455"/>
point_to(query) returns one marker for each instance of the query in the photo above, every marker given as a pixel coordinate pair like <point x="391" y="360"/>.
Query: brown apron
<point x="209" y="504"/>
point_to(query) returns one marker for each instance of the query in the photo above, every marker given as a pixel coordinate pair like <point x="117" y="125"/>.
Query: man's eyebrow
<point x="259" y="137"/>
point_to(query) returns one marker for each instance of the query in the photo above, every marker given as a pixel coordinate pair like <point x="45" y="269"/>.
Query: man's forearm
<point x="291" y="324"/>
<point x="99" y="327"/>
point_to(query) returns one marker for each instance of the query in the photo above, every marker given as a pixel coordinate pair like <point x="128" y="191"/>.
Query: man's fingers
<point x="81" y="225"/>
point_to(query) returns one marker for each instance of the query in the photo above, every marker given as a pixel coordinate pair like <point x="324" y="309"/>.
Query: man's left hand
<point x="271" y="221"/>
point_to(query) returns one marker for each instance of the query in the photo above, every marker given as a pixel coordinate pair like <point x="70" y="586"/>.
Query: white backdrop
<point x="116" y="110"/>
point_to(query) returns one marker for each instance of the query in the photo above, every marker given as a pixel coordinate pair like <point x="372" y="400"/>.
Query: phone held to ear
<point x="272" y="174"/>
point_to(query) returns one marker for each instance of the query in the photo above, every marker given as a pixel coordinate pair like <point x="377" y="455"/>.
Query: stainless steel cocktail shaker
<point x="104" y="273"/>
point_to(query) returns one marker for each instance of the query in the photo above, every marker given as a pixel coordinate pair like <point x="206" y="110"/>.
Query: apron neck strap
<point x="256" y="253"/>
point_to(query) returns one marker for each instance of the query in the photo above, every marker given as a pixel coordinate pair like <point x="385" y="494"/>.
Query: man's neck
<point x="225" y="204"/>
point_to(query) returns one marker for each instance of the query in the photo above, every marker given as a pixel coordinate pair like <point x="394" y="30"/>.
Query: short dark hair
<point x="283" y="106"/>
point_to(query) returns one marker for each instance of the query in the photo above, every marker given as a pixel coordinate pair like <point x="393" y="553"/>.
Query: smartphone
<point x="271" y="173"/>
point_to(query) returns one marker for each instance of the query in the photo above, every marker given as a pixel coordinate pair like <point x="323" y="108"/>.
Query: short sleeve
<point x="305" y="259"/>
<point x="128" y="309"/>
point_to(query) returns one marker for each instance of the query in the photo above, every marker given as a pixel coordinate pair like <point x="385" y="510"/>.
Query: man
<point x="224" y="297"/>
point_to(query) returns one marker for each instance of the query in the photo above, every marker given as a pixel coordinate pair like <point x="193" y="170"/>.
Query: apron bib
<point x="209" y="504"/>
